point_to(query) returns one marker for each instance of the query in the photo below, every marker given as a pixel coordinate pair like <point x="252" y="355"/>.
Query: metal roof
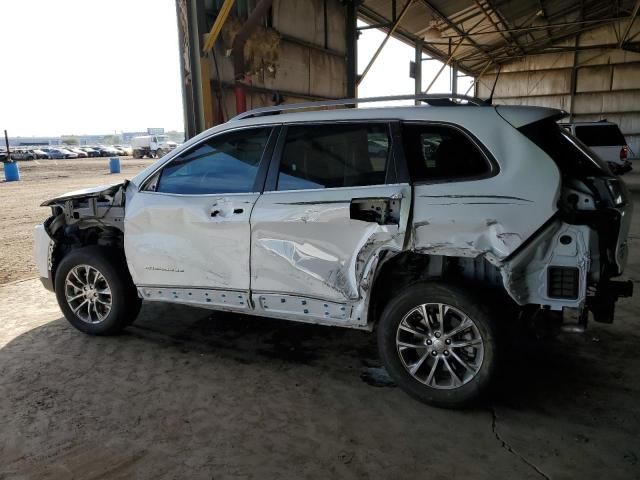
<point x="486" y="33"/>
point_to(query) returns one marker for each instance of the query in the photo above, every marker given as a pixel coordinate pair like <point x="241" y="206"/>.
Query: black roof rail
<point x="433" y="99"/>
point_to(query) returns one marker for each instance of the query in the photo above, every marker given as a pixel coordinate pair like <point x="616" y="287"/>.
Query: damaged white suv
<point x="433" y="225"/>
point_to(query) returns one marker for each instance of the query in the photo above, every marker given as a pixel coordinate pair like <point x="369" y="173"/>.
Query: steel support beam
<point x="454" y="80"/>
<point x="190" y="48"/>
<point x="624" y="36"/>
<point x="384" y="42"/>
<point x="543" y="27"/>
<point x="476" y="80"/>
<point x="218" y="24"/>
<point x="190" y="127"/>
<point x="418" y="70"/>
<point x="574" y="79"/>
<point x="409" y="38"/>
<point x="445" y="64"/>
<point x="351" y="20"/>
<point x="457" y="29"/>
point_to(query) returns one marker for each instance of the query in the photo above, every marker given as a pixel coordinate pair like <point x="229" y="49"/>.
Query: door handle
<point x="238" y="211"/>
<point x="215" y="213"/>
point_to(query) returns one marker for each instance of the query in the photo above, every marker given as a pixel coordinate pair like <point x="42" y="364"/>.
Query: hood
<point x="99" y="191"/>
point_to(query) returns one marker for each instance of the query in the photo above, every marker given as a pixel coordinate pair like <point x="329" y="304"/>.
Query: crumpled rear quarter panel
<point x="491" y="216"/>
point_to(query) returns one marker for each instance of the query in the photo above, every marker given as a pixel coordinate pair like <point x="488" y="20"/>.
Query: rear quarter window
<point x="439" y="153"/>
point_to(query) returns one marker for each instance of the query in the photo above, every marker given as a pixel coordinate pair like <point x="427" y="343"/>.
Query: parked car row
<point x="67" y="151"/>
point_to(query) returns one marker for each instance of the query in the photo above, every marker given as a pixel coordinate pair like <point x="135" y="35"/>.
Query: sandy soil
<point x="41" y="180"/>
<point x="186" y="393"/>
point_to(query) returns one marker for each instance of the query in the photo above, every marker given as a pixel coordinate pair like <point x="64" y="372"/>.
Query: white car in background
<point x="435" y="226"/>
<point x="606" y="140"/>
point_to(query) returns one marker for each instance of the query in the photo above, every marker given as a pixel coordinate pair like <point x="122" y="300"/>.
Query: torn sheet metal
<point x="490" y="217"/>
<point x="85" y="193"/>
<point x="307" y="244"/>
<point x="525" y="276"/>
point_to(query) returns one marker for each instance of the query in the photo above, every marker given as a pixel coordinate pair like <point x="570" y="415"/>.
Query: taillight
<point x="624" y="153"/>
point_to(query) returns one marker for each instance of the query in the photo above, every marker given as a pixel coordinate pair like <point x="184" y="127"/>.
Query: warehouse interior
<point x="203" y="393"/>
<point x="580" y="56"/>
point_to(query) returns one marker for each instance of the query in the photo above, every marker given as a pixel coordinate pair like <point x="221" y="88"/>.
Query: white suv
<point x="433" y="225"/>
<point x="606" y="141"/>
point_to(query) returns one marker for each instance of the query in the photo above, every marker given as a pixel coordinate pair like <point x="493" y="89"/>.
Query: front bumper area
<point x="42" y="250"/>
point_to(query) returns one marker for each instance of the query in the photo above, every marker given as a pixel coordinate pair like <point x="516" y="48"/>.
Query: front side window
<point x="334" y="156"/>
<point x="227" y="163"/>
<point x="436" y="152"/>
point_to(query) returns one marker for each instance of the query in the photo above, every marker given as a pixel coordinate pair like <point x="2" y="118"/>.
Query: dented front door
<point x="314" y="250"/>
<point x="187" y="230"/>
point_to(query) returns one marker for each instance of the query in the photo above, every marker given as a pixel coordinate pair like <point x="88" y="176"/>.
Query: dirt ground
<point x="187" y="393"/>
<point x="41" y="180"/>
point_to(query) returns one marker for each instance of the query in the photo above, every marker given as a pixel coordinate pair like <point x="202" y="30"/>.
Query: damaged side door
<point x="187" y="229"/>
<point x="336" y="198"/>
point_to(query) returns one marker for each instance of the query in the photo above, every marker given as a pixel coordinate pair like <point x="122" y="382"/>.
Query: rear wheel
<point x="95" y="291"/>
<point x="438" y="343"/>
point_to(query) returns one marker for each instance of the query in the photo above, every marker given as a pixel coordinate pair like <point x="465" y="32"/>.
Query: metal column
<point x="351" y="19"/>
<point x="454" y="79"/>
<point x="418" y="70"/>
<point x="189" y="44"/>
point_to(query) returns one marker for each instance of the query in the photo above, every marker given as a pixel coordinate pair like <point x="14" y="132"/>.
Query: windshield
<point x="573" y="158"/>
<point x="607" y="135"/>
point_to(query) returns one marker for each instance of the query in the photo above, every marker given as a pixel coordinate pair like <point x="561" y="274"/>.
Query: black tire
<point x="463" y="301"/>
<point x="110" y="263"/>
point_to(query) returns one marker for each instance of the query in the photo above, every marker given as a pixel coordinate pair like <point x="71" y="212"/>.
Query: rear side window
<point x="572" y="157"/>
<point x="334" y="156"/>
<point x="606" y="135"/>
<point x="227" y="163"/>
<point x="436" y="152"/>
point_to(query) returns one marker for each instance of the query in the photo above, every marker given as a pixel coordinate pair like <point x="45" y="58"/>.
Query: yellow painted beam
<point x="207" y="99"/>
<point x="217" y="25"/>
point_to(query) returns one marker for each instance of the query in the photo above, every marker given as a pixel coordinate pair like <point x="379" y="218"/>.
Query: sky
<point x="73" y="67"/>
<point x="389" y="75"/>
<point x="88" y="66"/>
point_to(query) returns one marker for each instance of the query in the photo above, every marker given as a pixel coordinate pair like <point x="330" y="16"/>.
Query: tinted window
<point x="437" y="152"/>
<point x="227" y="163"/>
<point x="600" y="135"/>
<point x="331" y="156"/>
<point x="572" y="157"/>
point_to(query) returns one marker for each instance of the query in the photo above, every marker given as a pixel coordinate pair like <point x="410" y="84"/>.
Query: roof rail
<point x="434" y="99"/>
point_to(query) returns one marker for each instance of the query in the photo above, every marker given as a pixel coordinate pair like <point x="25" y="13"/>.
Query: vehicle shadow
<point x="183" y="382"/>
<point x="534" y="374"/>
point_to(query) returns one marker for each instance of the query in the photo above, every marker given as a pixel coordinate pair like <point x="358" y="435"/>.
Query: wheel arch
<point x="409" y="267"/>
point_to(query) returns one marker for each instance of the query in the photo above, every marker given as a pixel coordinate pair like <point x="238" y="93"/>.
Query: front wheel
<point x="438" y="343"/>
<point x="95" y="291"/>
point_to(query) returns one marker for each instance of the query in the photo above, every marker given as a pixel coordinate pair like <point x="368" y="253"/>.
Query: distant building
<point x="24" y="141"/>
<point x="88" y="139"/>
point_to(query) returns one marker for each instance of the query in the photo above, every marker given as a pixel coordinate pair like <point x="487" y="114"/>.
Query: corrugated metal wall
<point x="607" y="80"/>
<point x="310" y="63"/>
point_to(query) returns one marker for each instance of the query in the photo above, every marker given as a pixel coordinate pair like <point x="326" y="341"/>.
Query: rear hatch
<point x="582" y="169"/>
